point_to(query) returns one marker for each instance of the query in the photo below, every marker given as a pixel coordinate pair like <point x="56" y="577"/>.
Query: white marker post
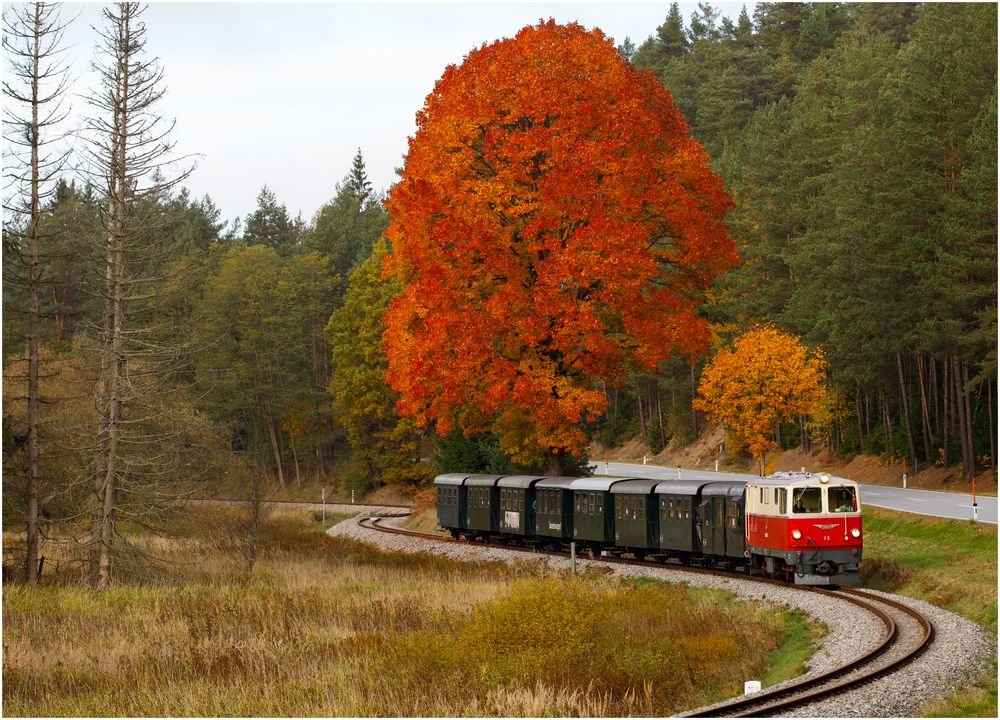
<point x="323" y="497"/>
<point x="751" y="686"/>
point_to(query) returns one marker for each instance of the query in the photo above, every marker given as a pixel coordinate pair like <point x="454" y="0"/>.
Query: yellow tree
<point x="768" y="377"/>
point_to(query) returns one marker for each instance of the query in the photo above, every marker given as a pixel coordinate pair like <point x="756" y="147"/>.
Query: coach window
<point x="618" y="507"/>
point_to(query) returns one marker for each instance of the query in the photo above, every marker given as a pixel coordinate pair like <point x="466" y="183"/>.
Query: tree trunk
<point x="276" y="449"/>
<point x="989" y="411"/>
<point x="946" y="419"/>
<point x="970" y="447"/>
<point x="905" y="411"/>
<point x="116" y="368"/>
<point x="925" y="418"/>
<point x="31" y="489"/>
<point x="295" y="455"/>
<point x="956" y="376"/>
<point x="694" y="413"/>
<point x="659" y="415"/>
<point x="935" y="394"/>
<point x="557" y="462"/>
<point x="887" y="422"/>
<point x="857" y="405"/>
<point x="868" y="416"/>
<point x="638" y="402"/>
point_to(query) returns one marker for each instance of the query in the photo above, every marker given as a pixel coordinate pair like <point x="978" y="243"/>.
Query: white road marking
<point x="916" y="499"/>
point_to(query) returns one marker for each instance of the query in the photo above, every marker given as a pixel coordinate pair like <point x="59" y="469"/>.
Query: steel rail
<point x="766" y="702"/>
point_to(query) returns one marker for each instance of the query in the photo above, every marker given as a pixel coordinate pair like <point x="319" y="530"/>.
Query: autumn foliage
<point x="554" y="224"/>
<point x="768" y="377"/>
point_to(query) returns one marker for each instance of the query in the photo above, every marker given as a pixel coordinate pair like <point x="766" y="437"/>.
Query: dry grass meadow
<point x="326" y="627"/>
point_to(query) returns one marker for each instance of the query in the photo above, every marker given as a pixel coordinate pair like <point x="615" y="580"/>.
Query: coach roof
<point x="603" y="484"/>
<point x="637" y="486"/>
<point x="519" y="481"/>
<point x="451" y="479"/>
<point x="482" y="480"/>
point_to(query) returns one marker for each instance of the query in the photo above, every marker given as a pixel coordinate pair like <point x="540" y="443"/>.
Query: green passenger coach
<point x="593" y="513"/>
<point x="636" y="517"/>
<point x="451" y="501"/>
<point x="517" y="504"/>
<point x="554" y="516"/>
<point x="483" y="505"/>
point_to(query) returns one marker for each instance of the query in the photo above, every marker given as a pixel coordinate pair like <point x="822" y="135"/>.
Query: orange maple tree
<point x="768" y="377"/>
<point x="554" y="224"/>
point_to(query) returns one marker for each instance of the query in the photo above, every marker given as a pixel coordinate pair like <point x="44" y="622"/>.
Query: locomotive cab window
<point x="782" y="500"/>
<point x="843" y="499"/>
<point x="807" y="500"/>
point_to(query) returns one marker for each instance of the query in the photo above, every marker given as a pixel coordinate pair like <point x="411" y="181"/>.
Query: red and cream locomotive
<point x="805" y="527"/>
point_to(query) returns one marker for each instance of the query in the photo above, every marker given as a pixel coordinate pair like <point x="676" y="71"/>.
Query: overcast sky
<point x="284" y="94"/>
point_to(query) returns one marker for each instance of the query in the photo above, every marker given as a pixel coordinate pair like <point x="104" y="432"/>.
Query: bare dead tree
<point x="241" y="532"/>
<point x="36" y="107"/>
<point x="130" y="156"/>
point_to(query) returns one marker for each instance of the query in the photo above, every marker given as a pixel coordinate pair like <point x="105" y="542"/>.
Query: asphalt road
<point x="923" y="502"/>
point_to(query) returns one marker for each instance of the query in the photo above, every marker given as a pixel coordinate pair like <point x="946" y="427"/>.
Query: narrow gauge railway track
<point x="890" y="655"/>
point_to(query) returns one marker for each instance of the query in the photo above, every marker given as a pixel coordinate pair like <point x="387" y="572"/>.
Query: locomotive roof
<point x="636" y="486"/>
<point x="482" y="480"/>
<point x="451" y="478"/>
<point x="519" y="481"/>
<point x="679" y="487"/>
<point x="785" y="478"/>
<point x="559" y="481"/>
<point x="729" y="487"/>
<point x="594" y="483"/>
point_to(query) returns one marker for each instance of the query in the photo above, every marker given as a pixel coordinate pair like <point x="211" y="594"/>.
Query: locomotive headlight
<point x="796" y="534"/>
<point x="855" y="533"/>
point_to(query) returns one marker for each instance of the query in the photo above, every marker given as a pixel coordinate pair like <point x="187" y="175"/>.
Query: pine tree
<point x="270" y="224"/>
<point x="672" y="40"/>
<point x="31" y="40"/>
<point x="347" y="227"/>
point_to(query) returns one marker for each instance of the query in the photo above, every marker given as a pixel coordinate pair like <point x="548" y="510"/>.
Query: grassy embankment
<point x="330" y="627"/>
<point x="949" y="563"/>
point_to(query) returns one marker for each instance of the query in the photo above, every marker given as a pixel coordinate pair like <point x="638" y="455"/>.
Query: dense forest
<point x="858" y="142"/>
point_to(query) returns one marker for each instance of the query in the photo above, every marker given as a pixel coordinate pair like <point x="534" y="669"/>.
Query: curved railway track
<point x="907" y="634"/>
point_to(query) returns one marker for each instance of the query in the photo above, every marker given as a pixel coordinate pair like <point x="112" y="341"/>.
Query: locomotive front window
<point x="807" y="500"/>
<point x="843" y="499"/>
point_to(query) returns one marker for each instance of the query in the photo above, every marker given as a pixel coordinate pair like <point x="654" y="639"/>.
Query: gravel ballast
<point x="961" y="650"/>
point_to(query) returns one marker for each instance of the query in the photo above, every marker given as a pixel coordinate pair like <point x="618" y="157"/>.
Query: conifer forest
<point x="833" y="177"/>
